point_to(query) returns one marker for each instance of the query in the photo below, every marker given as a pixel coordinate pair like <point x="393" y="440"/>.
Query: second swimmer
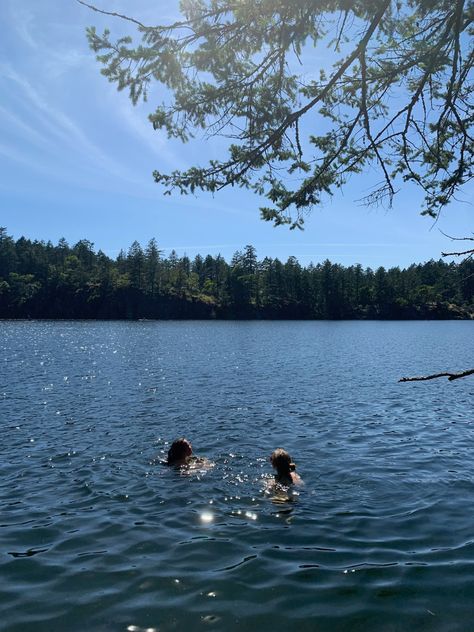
<point x="285" y="468"/>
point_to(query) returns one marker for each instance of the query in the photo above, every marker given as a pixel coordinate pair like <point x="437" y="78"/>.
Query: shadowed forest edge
<point x="42" y="280"/>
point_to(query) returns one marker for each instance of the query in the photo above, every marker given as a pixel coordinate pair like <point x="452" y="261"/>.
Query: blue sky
<point x="76" y="159"/>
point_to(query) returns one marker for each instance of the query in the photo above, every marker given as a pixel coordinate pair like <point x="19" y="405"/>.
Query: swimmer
<point x="285" y="468"/>
<point x="181" y="454"/>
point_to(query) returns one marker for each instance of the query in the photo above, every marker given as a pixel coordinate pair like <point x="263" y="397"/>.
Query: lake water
<point x="97" y="535"/>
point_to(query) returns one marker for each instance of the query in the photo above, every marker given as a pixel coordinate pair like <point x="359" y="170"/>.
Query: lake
<point x="96" y="534"/>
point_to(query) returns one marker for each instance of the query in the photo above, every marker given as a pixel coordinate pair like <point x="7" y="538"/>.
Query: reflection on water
<point x="97" y="534"/>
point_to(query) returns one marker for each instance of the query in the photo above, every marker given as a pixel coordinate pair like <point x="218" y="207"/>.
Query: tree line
<point x="42" y="280"/>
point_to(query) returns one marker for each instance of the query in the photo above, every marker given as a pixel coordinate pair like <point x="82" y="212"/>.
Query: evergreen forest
<point x="42" y="280"/>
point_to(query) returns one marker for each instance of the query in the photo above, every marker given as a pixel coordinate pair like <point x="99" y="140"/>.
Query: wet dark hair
<point x="179" y="450"/>
<point x="282" y="462"/>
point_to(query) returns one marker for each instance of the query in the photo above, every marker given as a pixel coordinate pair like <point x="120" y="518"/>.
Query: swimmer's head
<point x="281" y="461"/>
<point x="180" y="450"/>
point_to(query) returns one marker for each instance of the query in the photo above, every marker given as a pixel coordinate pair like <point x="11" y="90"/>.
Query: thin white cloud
<point x="13" y="154"/>
<point x="66" y="176"/>
<point x="69" y="178"/>
<point x="55" y="125"/>
<point x="64" y="61"/>
<point x="301" y="246"/>
<point x="141" y="128"/>
<point x="61" y="126"/>
<point x="22" y="22"/>
<point x="200" y="247"/>
<point x="27" y="131"/>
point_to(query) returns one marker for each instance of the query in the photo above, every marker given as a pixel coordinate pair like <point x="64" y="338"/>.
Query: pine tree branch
<point x="456" y="238"/>
<point x="457" y="254"/>
<point x="450" y="376"/>
<point x="226" y="72"/>
<point x="113" y="14"/>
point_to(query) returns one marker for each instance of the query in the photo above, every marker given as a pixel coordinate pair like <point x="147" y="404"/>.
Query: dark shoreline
<point x="230" y="319"/>
<point x="39" y="280"/>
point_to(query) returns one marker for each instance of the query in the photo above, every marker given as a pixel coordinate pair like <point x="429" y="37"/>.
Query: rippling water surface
<point x="96" y="534"/>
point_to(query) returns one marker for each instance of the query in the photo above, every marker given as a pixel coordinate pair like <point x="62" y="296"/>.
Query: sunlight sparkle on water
<point x="368" y="542"/>
<point x="206" y="517"/>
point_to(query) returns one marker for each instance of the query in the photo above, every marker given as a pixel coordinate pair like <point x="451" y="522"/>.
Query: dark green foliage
<point x="308" y="93"/>
<point x="40" y="280"/>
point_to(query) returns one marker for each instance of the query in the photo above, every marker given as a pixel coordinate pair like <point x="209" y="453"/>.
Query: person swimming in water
<point x="180" y="452"/>
<point x="285" y="468"/>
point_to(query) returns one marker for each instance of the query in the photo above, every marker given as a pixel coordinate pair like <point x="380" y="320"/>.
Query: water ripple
<point x="97" y="534"/>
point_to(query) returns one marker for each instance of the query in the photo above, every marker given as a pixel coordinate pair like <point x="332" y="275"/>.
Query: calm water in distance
<point x="97" y="535"/>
